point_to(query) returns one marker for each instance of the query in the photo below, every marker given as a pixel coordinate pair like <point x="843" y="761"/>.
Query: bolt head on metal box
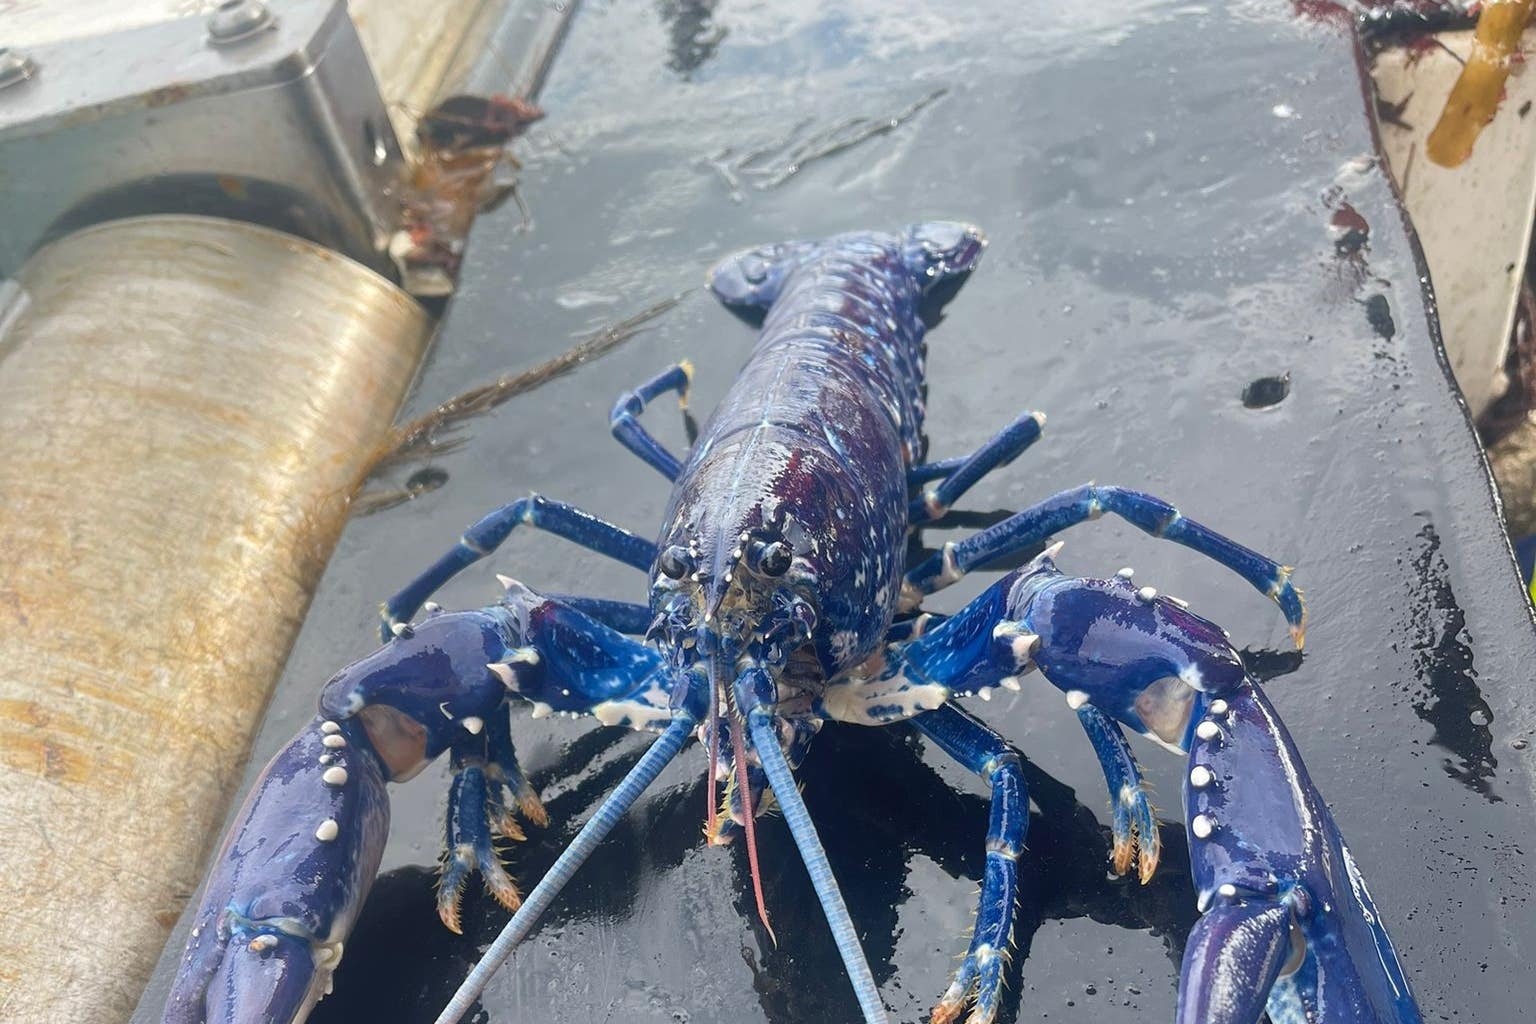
<point x="272" y="118"/>
<point x="15" y="67"/>
<point x="235" y="21"/>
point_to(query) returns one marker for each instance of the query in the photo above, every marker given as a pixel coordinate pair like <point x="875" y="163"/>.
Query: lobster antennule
<point x="639" y="779"/>
<point x="782" y="781"/>
<point x="739" y="753"/>
<point x="711" y="820"/>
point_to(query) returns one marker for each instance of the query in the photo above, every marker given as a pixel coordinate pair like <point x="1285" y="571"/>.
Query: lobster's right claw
<point x="269" y="976"/>
<point x="286" y="886"/>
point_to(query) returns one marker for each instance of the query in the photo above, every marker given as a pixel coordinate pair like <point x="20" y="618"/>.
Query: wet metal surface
<point x="1159" y="184"/>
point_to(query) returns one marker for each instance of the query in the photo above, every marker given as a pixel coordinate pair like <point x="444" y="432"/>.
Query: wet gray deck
<point x="1158" y="183"/>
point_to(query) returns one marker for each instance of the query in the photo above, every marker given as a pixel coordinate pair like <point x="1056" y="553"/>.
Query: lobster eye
<point x="772" y="559"/>
<point x="675" y="562"/>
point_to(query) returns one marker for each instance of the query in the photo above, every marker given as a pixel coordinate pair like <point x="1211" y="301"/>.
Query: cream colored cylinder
<point x="187" y="405"/>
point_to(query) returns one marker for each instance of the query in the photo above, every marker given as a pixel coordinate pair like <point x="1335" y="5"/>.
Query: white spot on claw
<point x="334" y="776"/>
<point x="335" y="741"/>
<point x="1202" y="826"/>
<point x="1228" y="890"/>
<point x="262" y="942"/>
<point x="1024" y="648"/>
<point x="400" y="629"/>
<point x="1200" y="776"/>
<point x="1219" y="707"/>
<point x="329" y="727"/>
<point x="1146" y="594"/>
<point x="328" y="830"/>
<point x="473" y="724"/>
<point x="1208" y="730"/>
<point x="503" y="672"/>
<point x="1126" y="573"/>
<point x="1076" y="699"/>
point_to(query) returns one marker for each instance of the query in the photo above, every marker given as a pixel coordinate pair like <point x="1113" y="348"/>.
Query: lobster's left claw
<point x="1235" y="955"/>
<point x="1289" y="924"/>
<point x="1287" y="914"/>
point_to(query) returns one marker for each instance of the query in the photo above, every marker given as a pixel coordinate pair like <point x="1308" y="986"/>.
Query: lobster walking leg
<point x="962" y="474"/>
<point x="503" y="767"/>
<point x="624" y="616"/>
<point x="1134" y="823"/>
<point x="476" y="807"/>
<point x="911" y="629"/>
<point x="972" y="743"/>
<point x="625" y="422"/>
<point x="1153" y="515"/>
<point x="485" y="536"/>
<point x="559" y="875"/>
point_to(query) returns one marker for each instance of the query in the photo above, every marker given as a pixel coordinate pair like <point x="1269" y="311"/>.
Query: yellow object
<point x="187" y="406"/>
<point x="1475" y="97"/>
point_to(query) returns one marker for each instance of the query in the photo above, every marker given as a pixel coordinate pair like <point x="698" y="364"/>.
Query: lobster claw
<point x="280" y="981"/>
<point x="1288" y="923"/>
<point x="1286" y="912"/>
<point x="1236" y="953"/>
<point x="287" y="886"/>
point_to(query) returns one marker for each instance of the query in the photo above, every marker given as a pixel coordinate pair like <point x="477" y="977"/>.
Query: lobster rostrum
<point x="779" y="602"/>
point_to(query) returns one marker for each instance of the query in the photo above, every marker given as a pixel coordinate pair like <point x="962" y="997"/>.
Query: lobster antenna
<point x="640" y="777"/>
<point x="782" y="781"/>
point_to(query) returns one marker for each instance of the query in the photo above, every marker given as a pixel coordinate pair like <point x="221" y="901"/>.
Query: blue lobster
<point x="779" y="601"/>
